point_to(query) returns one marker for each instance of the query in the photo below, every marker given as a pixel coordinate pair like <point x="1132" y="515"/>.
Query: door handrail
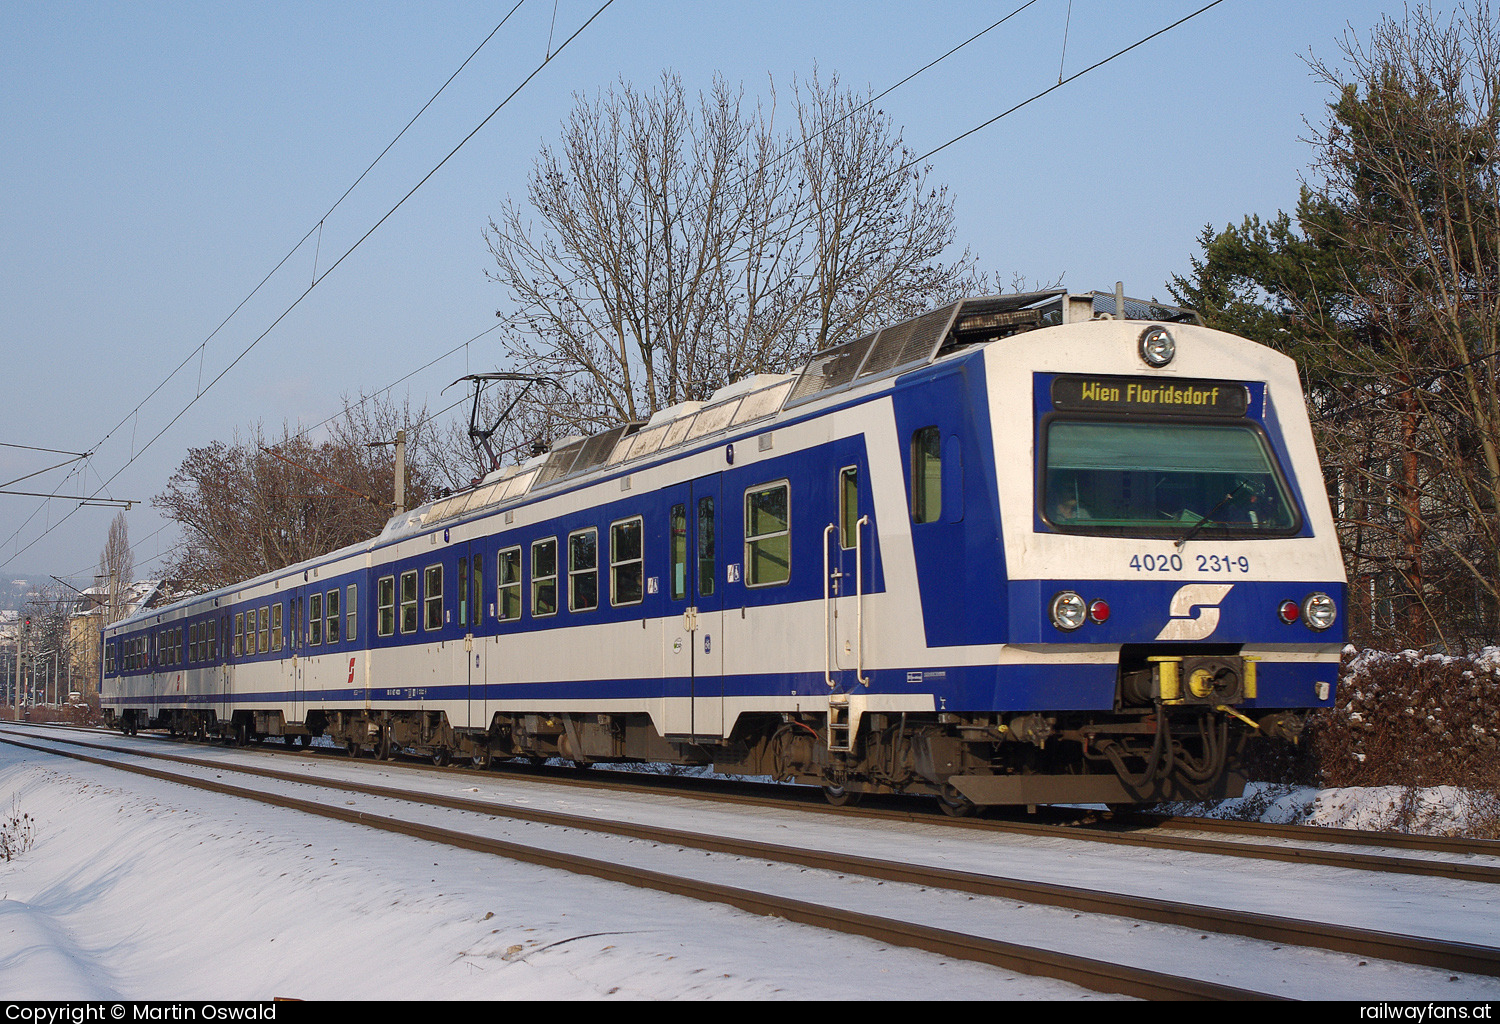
<point x="859" y="600"/>
<point x="827" y="612"/>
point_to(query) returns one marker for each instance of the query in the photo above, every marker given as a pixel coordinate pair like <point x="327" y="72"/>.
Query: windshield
<point x="1163" y="480"/>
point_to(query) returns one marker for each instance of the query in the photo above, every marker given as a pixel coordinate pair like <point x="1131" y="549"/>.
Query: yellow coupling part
<point x="1201" y="683"/>
<point x="1168" y="679"/>
<point x="1252" y="723"/>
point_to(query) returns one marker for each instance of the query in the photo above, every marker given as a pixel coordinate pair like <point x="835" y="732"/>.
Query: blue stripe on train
<point x="1005" y="688"/>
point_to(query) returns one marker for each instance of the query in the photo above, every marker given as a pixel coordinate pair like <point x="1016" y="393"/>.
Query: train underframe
<point x="1132" y="756"/>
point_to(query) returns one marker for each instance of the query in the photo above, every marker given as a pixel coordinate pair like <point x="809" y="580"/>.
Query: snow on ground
<point x="1433" y="810"/>
<point x="136" y="889"/>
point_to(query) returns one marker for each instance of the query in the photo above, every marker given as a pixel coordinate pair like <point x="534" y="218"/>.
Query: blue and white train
<point x="1027" y="549"/>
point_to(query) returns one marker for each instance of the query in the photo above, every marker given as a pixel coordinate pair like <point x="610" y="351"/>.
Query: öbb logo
<point x="1206" y="597"/>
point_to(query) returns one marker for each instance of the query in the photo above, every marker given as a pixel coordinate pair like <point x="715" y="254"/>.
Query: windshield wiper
<point x="1209" y="518"/>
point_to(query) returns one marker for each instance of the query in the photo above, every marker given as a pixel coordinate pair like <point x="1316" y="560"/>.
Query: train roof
<point x="881" y="354"/>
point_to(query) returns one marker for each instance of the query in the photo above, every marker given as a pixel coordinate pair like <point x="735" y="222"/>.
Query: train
<point x="1035" y="548"/>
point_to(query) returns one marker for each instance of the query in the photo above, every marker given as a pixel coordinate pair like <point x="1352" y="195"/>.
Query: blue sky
<point x="159" y="159"/>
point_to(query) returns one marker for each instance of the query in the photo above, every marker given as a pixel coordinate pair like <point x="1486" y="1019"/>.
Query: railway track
<point x="1456" y="857"/>
<point x="1461" y="957"/>
<point x="1463" y="859"/>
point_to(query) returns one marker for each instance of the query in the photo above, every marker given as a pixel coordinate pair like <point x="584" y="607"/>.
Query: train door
<point x="304" y="607"/>
<point x="468" y="656"/>
<point x="221" y="644"/>
<point x="695" y="616"/>
<point x="846" y="564"/>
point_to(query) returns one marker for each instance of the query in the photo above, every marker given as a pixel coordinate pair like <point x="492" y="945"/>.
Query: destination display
<point x="1150" y="394"/>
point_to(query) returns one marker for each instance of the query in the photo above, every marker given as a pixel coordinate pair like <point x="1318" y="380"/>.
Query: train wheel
<point x="838" y="796"/>
<point x="483" y="759"/>
<point x="351" y="748"/>
<point x="954" y="803"/>
<point x="440" y="757"/>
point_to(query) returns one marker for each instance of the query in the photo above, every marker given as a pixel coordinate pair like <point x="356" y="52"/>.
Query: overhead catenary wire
<point x="550" y="54"/>
<point x="1061" y="82"/>
<point x="782" y="155"/>
<point x="909" y="164"/>
<point x="134" y="415"/>
<point x="316" y="228"/>
<point x="298" y="300"/>
<point x="905" y="167"/>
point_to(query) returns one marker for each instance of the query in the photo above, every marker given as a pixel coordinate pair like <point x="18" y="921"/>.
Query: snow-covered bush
<point x="1412" y="719"/>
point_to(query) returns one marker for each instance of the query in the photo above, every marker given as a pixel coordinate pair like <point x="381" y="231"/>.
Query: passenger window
<point x="409" y="601"/>
<point x="508" y="579"/>
<point x="927" y="475"/>
<point x="768" y="538"/>
<point x="385" y="606"/>
<point x="432" y="597"/>
<point x="332" y="609"/>
<point x="583" y="570"/>
<point x="544" y="577"/>
<point x="265" y="630"/>
<point x="351" y="610"/>
<point x="276" y="621"/>
<point x="239" y="634"/>
<point x="314" y="619"/>
<point x="626" y="566"/>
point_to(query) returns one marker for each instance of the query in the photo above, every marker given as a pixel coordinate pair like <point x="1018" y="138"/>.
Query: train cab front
<point x="1174" y="583"/>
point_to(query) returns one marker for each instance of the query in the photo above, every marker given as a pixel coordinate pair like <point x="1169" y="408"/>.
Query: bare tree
<point x="116" y="566"/>
<point x="1410" y="160"/>
<point x="258" y="504"/>
<point x="51" y="643"/>
<point x="1390" y="297"/>
<point x="683" y="245"/>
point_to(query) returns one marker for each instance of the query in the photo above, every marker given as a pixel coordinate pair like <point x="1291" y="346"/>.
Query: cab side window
<point x="927" y="475"/>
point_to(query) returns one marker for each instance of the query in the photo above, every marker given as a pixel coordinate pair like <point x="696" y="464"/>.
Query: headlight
<point x="1157" y="347"/>
<point x="1068" y="610"/>
<point x="1319" y="611"/>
